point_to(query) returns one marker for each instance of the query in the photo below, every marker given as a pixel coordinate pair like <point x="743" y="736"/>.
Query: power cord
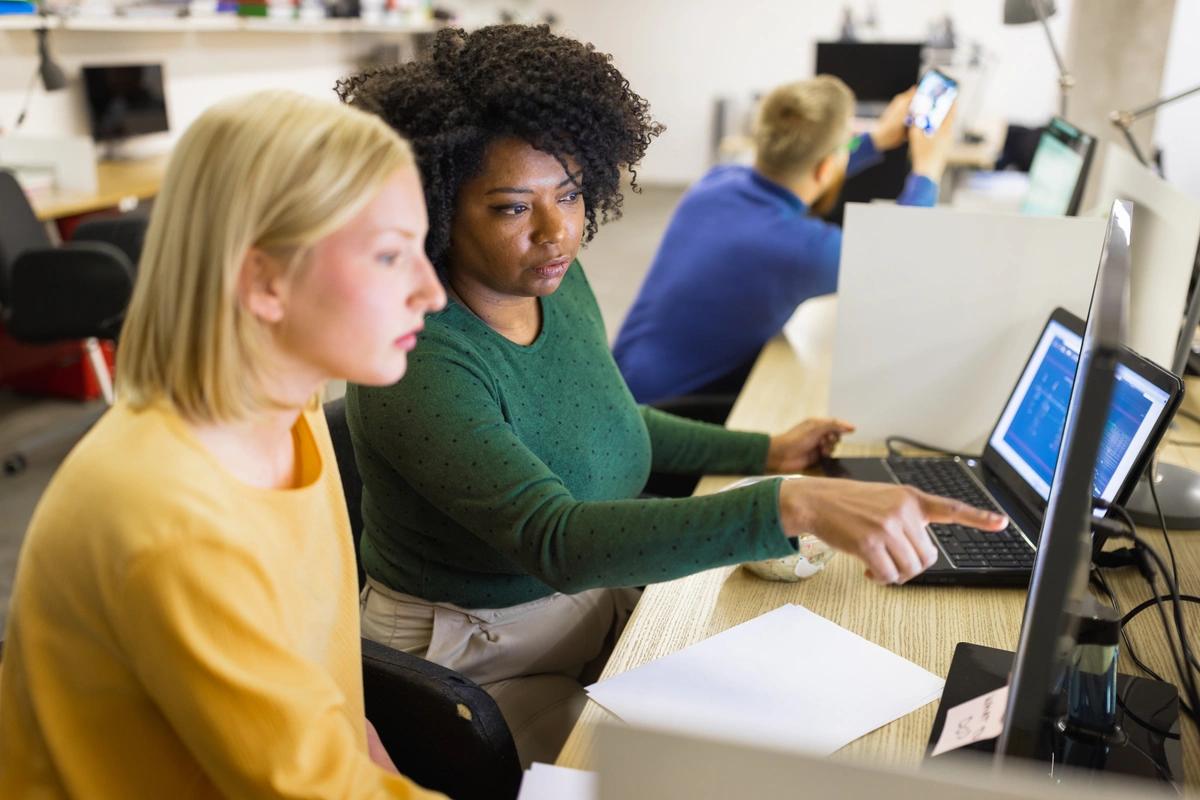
<point x="1151" y="565"/>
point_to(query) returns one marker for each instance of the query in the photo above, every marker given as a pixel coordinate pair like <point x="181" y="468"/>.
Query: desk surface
<point x="116" y="181"/>
<point x="921" y="623"/>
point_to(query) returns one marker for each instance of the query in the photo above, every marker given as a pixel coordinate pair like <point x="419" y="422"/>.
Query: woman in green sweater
<point x="501" y="477"/>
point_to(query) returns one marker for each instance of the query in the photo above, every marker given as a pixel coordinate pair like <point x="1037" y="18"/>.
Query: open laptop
<point x="1014" y="473"/>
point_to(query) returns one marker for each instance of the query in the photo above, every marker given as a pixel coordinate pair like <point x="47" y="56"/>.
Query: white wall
<point x="1177" y="128"/>
<point x="682" y="54"/>
<point x="200" y="69"/>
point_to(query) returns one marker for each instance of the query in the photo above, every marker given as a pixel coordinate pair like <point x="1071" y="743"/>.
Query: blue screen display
<point x="1035" y="431"/>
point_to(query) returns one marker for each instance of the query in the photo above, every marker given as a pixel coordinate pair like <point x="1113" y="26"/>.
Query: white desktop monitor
<point x="1059" y="170"/>
<point x="1166" y="228"/>
<point x="640" y="764"/>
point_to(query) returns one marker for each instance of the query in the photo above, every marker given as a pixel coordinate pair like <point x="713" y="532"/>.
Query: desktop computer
<point x="125" y="100"/>
<point x="875" y="71"/>
<point x="1059" y="170"/>
<point x="1069" y="710"/>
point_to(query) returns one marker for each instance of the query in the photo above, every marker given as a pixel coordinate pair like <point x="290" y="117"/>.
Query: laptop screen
<point x="1030" y="430"/>
<point x="1057" y="170"/>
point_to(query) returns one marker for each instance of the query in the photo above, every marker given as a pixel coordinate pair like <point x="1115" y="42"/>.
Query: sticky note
<point x="973" y="721"/>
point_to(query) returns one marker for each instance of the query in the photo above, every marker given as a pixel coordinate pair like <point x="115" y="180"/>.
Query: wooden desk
<point x="116" y="181"/>
<point x="921" y="623"/>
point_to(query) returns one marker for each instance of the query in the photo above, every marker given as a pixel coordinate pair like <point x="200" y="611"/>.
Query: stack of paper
<point x="786" y="679"/>
<point x="547" y="782"/>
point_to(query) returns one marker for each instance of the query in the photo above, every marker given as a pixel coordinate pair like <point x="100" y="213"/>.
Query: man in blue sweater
<point x="741" y="251"/>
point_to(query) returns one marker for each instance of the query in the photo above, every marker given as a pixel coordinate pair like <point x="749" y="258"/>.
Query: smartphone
<point x="930" y="105"/>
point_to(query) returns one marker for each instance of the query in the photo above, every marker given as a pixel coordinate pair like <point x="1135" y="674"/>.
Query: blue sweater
<point x="739" y="255"/>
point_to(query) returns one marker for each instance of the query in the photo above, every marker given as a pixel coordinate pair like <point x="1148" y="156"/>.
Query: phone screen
<point x="929" y="106"/>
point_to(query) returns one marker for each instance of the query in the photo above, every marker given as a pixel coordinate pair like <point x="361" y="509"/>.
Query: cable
<point x="1162" y="521"/>
<point x="25" y="103"/>
<point x="893" y="452"/>
<point x="1097" y="578"/>
<point x="1183" y="656"/>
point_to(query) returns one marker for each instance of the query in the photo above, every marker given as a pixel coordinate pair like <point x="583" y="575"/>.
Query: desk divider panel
<point x="939" y="309"/>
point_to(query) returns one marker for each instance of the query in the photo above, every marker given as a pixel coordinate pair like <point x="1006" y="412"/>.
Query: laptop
<point x="1014" y="473"/>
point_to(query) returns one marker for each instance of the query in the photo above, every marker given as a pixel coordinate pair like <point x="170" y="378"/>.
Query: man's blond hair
<point x="274" y="170"/>
<point x="800" y="123"/>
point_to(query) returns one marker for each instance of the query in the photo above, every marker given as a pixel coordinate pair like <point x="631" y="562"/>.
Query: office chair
<point x="77" y="291"/>
<point x="441" y="729"/>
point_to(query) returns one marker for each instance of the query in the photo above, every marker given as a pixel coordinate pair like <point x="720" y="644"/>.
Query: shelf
<point x="24" y="22"/>
<point x="216" y="23"/>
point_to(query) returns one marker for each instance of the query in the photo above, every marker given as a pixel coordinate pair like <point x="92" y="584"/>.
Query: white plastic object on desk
<point x="810" y="558"/>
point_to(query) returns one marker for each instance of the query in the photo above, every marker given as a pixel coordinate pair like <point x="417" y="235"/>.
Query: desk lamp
<point x="1178" y="488"/>
<point x="1020" y="12"/>
<point x="48" y="70"/>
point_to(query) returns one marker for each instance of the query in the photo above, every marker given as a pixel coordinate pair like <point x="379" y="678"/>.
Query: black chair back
<point x="343" y="450"/>
<point x="440" y="728"/>
<point x="20" y="230"/>
<point x="71" y="292"/>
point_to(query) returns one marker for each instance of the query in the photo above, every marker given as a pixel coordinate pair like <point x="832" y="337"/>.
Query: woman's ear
<point x="261" y="287"/>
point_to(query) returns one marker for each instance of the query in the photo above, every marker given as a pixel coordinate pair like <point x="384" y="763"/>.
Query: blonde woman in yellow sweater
<point x="185" y="617"/>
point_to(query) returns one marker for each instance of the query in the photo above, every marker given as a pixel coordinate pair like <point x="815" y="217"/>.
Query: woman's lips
<point x="408" y="341"/>
<point x="553" y="269"/>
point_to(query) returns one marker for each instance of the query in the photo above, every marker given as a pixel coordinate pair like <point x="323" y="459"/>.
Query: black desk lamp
<point x="48" y="70"/>
<point x="1020" y="12"/>
<point x="51" y="73"/>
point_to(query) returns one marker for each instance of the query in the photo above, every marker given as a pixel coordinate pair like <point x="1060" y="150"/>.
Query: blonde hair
<point x="800" y="123"/>
<point x="274" y="170"/>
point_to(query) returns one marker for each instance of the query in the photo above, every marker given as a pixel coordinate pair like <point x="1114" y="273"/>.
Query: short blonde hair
<point x="798" y="124"/>
<point x="274" y="170"/>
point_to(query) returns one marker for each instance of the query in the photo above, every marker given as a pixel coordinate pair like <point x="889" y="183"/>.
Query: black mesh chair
<point x="441" y="729"/>
<point x="77" y="291"/>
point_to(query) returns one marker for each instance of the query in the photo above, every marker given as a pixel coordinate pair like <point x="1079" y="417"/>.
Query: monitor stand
<point x="1145" y="744"/>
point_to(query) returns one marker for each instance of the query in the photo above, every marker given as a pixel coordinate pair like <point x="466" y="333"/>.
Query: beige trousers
<point x="533" y="658"/>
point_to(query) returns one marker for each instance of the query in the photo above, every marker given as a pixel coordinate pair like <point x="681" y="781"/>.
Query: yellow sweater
<point x="175" y="633"/>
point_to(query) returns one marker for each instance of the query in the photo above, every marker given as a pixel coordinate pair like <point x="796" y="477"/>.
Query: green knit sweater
<point x="496" y="473"/>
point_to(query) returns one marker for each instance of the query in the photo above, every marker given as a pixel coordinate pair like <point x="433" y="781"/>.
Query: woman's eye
<point x="388" y="259"/>
<point x="513" y="210"/>
<point x="572" y="197"/>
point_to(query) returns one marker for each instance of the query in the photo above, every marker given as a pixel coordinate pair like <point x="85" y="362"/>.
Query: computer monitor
<point x="1059" y="170"/>
<point x="125" y="100"/>
<point x="875" y="71"/>
<point x="1140" y="737"/>
<point x="1064" y="548"/>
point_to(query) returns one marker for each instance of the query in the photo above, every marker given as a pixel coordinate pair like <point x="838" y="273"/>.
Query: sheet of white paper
<point x="548" y="782"/>
<point x="973" y="721"/>
<point x="789" y="678"/>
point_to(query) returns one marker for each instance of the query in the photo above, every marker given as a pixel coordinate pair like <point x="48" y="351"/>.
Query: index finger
<point x="834" y="426"/>
<point x="946" y="509"/>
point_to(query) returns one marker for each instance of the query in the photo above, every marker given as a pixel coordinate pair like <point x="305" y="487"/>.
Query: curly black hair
<point x="557" y="94"/>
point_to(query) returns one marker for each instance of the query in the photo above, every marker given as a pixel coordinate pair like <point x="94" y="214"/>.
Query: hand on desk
<point x="883" y="524"/>
<point x="804" y="445"/>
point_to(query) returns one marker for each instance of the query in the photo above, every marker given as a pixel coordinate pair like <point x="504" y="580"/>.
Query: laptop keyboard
<point x="967" y="548"/>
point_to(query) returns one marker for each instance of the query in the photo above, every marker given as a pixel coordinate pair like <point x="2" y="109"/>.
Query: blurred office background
<point x="700" y="63"/>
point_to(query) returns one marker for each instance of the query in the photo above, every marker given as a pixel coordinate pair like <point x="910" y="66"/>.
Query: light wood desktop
<point x="921" y="623"/>
<point x="116" y="182"/>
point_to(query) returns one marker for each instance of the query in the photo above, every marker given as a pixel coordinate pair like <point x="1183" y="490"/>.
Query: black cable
<point x="1098" y="579"/>
<point x="893" y="452"/>
<point x="1182" y="656"/>
<point x="1162" y="521"/>
<point x="28" y="98"/>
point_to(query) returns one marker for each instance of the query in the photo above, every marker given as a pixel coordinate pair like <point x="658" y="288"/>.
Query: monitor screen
<point x="875" y="71"/>
<point x="1060" y="568"/>
<point x="125" y="100"/>
<point x="1029" y="433"/>
<point x="1058" y="170"/>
